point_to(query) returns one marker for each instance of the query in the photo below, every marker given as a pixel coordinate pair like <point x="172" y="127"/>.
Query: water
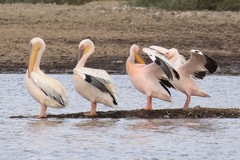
<point x="137" y="139"/>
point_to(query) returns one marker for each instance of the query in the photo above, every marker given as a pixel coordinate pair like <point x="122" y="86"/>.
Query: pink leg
<point x="93" y="109"/>
<point x="186" y="105"/>
<point x="43" y="113"/>
<point x="149" y="103"/>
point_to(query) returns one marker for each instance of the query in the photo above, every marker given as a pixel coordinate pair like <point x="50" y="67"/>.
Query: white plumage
<point x="95" y="85"/>
<point x="46" y="90"/>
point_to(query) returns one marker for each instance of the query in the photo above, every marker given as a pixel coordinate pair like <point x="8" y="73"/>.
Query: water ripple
<point x="117" y="139"/>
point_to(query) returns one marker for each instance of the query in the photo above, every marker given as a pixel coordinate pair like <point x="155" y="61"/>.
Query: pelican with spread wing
<point x="95" y="85"/>
<point x="46" y="90"/>
<point x="150" y="79"/>
<point x="198" y="66"/>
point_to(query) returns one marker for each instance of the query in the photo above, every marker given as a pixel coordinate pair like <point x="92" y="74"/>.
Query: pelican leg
<point x="43" y="113"/>
<point x="93" y="109"/>
<point x="149" y="103"/>
<point x="186" y="105"/>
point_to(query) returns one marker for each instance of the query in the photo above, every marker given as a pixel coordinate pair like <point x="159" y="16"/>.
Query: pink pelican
<point x="149" y="79"/>
<point x="197" y="66"/>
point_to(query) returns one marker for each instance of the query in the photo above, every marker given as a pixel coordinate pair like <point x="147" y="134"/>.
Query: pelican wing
<point x="211" y="64"/>
<point x="159" y="49"/>
<point x="164" y="64"/>
<point x="199" y="65"/>
<point x="98" y="78"/>
<point x="51" y="87"/>
<point x="155" y="70"/>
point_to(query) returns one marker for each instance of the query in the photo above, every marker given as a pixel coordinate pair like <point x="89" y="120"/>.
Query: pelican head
<point x="134" y="52"/>
<point x="37" y="40"/>
<point x="37" y="46"/>
<point x="86" y="46"/>
<point x="171" y="53"/>
<point x="196" y="51"/>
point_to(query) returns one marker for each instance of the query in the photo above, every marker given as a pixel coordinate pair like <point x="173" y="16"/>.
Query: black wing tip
<point x="165" y="88"/>
<point x="176" y="74"/>
<point x="165" y="84"/>
<point x="158" y="61"/>
<point x="114" y="102"/>
<point x="58" y="99"/>
<point x="200" y="75"/>
<point x="114" y="99"/>
<point x="211" y="64"/>
<point x="164" y="67"/>
<point x="88" y="78"/>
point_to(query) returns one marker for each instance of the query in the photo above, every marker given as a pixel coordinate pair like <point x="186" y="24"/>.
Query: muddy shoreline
<point x="114" y="27"/>
<point x="197" y="112"/>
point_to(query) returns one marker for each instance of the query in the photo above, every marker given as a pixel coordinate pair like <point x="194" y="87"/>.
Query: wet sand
<point x="114" y="27"/>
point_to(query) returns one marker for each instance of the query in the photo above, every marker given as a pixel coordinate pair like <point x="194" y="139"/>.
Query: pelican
<point x="149" y="78"/>
<point x="95" y="85"/>
<point x="197" y="66"/>
<point x="47" y="91"/>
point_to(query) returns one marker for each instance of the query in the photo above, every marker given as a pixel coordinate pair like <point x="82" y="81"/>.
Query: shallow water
<point x="52" y="139"/>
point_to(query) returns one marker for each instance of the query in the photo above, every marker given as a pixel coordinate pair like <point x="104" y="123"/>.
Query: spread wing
<point x="199" y="65"/>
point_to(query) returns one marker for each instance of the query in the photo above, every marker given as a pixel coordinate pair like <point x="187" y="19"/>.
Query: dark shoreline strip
<point x="197" y="112"/>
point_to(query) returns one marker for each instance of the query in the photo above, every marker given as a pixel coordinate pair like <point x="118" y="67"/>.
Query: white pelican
<point x="47" y="91"/>
<point x="197" y="66"/>
<point x="148" y="78"/>
<point x="94" y="85"/>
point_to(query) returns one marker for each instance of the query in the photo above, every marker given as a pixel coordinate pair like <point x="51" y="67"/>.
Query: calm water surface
<point x="136" y="139"/>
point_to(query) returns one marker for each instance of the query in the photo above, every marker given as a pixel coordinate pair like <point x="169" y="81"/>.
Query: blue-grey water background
<point x="121" y="139"/>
